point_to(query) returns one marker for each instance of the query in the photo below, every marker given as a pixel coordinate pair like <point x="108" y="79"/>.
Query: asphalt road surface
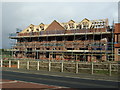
<point x="59" y="81"/>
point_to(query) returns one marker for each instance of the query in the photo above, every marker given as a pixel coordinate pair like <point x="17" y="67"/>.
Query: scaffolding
<point x="73" y="45"/>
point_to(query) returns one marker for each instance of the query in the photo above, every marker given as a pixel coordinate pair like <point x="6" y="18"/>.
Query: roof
<point x="55" y="26"/>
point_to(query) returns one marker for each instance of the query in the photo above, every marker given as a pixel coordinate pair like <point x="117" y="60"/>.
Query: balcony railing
<point x="59" y="32"/>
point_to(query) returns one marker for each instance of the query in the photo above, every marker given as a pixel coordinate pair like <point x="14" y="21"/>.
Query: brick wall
<point x="117" y="57"/>
<point x="117" y="41"/>
<point x="117" y="28"/>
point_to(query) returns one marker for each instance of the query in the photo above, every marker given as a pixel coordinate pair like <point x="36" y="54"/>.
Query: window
<point x="30" y="40"/>
<point x="119" y="51"/>
<point x="77" y="26"/>
<point x="83" y="48"/>
<point x="54" y="55"/>
<point x="42" y="27"/>
<point x="85" y="25"/>
<point x="59" y="38"/>
<point x="37" y="48"/>
<point x="59" y="48"/>
<point x="70" y="38"/>
<point x="37" y="29"/>
<point x="119" y="38"/>
<point x="98" y="57"/>
<point x="47" y="54"/>
<point x="70" y="48"/>
<point x="47" y="48"/>
<point x="54" y="48"/>
<point x="71" y="25"/>
<point x="66" y="27"/>
<point x="29" y="49"/>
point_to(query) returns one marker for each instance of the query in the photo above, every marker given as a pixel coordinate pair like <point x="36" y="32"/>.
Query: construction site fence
<point x="76" y="67"/>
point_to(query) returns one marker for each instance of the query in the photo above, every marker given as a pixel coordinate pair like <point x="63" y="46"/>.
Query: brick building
<point x="117" y="41"/>
<point x="87" y="40"/>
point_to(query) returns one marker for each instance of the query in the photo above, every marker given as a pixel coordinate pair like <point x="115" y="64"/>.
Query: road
<point x="59" y="81"/>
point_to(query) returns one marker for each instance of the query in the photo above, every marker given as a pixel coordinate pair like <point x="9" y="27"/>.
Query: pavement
<point x="15" y="84"/>
<point x="66" y="74"/>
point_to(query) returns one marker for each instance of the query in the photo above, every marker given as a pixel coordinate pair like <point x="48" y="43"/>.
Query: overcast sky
<point x="22" y="14"/>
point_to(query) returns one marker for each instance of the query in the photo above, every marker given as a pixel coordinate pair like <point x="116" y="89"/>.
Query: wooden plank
<point x="109" y="69"/>
<point x="18" y="64"/>
<point x="38" y="65"/>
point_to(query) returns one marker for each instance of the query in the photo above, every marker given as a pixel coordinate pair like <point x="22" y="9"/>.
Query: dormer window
<point x="30" y="27"/>
<point x="93" y="22"/>
<point x="28" y="30"/>
<point x="37" y="29"/>
<point x="42" y="27"/>
<point x="66" y="27"/>
<point x="85" y="25"/>
<point x="100" y="22"/>
<point x="71" y="25"/>
<point x="79" y="26"/>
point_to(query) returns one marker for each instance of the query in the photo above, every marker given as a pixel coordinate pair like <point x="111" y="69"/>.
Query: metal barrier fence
<point x="75" y="67"/>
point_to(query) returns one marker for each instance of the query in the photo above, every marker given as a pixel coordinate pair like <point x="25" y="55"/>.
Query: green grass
<point x="6" y="56"/>
<point x="103" y="72"/>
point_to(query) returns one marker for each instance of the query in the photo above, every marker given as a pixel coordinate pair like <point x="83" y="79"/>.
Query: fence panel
<point x="76" y="67"/>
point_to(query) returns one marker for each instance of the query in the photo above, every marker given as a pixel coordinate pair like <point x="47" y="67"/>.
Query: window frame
<point x="37" y="29"/>
<point x="119" y="51"/>
<point x="118" y="39"/>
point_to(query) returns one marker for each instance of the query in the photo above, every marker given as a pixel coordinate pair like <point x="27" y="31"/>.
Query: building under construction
<point x="87" y="40"/>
